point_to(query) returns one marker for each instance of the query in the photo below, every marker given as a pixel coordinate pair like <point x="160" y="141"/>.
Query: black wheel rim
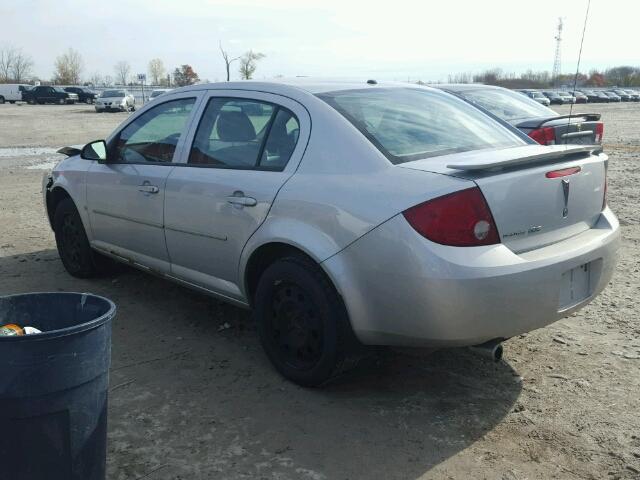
<point x="295" y="328"/>
<point x="72" y="242"/>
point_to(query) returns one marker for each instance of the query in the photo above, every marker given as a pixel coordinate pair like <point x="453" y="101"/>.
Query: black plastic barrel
<point x="54" y="387"/>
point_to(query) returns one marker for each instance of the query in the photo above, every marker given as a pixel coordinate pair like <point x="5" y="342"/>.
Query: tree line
<point x="69" y="69"/>
<point x="620" y="76"/>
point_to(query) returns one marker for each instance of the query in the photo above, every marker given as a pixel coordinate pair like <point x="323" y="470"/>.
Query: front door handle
<point x="148" y="189"/>
<point x="238" y="199"/>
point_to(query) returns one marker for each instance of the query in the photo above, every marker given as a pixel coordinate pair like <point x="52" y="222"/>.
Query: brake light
<point x="544" y="136"/>
<point x="599" y="132"/>
<point x="563" y="173"/>
<point x="459" y="219"/>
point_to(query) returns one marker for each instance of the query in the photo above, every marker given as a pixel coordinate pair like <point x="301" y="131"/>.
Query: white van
<point x="12" y="92"/>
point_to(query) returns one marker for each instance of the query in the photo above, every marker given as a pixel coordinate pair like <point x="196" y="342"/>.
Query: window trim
<point x="257" y="166"/>
<point x="114" y="140"/>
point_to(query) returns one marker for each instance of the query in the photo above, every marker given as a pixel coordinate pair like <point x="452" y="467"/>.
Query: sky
<point x="387" y="40"/>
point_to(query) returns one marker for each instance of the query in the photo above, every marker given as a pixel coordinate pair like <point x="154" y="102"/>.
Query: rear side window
<point x="507" y="105"/>
<point x="154" y="135"/>
<point x="408" y="124"/>
<point x="244" y="134"/>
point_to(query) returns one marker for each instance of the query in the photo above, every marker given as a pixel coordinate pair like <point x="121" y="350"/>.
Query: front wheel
<point x="61" y="101"/>
<point x="302" y="322"/>
<point x="71" y="240"/>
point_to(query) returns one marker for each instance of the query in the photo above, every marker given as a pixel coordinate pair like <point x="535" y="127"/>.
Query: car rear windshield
<point x="506" y="104"/>
<point x="408" y="124"/>
<point x="113" y="93"/>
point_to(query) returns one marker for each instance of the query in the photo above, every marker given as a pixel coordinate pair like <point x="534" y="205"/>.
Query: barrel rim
<point x="81" y="327"/>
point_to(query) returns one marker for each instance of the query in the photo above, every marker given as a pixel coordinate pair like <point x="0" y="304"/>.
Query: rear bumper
<point x="401" y="289"/>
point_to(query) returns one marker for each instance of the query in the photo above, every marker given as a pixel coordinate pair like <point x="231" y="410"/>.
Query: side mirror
<point x="95" y="151"/>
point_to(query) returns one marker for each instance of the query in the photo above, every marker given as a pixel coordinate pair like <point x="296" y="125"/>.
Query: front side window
<point x="154" y="135"/>
<point x="244" y="134"/>
<point x="408" y="124"/>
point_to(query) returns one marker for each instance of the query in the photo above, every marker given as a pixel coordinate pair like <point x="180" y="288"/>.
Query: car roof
<point x="308" y="85"/>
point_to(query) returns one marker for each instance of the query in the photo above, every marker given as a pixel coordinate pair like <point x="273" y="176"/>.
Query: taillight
<point x="459" y="219"/>
<point x="544" y="136"/>
<point x="599" y="132"/>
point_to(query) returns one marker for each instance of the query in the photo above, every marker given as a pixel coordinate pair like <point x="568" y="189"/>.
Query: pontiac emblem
<point x="565" y="191"/>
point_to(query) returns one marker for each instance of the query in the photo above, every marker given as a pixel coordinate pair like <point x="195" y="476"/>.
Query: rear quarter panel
<point x="343" y="188"/>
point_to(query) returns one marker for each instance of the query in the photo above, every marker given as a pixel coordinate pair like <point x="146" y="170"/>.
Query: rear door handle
<point x="240" y="200"/>
<point x="148" y="189"/>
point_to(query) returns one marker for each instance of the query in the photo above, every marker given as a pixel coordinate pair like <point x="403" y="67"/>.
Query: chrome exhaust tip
<point x="491" y="349"/>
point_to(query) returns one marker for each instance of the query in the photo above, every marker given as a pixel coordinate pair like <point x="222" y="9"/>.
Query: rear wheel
<point x="61" y="101"/>
<point x="1" y="100"/>
<point x="302" y="322"/>
<point x="71" y="239"/>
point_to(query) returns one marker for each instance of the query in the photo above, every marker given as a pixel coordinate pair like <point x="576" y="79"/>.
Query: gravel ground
<point x="193" y="397"/>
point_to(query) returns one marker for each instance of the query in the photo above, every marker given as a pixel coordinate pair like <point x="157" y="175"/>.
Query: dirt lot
<point x="193" y="397"/>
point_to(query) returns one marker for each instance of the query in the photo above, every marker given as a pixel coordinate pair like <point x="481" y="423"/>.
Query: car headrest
<point x="235" y="127"/>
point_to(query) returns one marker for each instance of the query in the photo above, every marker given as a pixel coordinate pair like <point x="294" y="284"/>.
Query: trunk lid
<point x="532" y="210"/>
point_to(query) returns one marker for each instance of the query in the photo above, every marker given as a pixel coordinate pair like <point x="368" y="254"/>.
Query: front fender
<point x="69" y="176"/>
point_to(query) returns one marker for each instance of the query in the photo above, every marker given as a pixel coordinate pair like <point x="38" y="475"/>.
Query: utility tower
<point x="556" y="62"/>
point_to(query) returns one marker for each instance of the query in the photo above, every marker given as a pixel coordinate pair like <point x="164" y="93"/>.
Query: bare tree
<point x="68" y="67"/>
<point x="122" y="70"/>
<point x="22" y="67"/>
<point x="95" y="79"/>
<point x="249" y="63"/>
<point x="7" y="56"/>
<point x="156" y="71"/>
<point x="227" y="60"/>
<point x="107" y="81"/>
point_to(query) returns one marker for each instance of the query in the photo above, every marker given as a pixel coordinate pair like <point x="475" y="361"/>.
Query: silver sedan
<point x="343" y="214"/>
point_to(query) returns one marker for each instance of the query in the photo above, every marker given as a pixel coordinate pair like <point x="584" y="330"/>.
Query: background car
<point x="635" y="96"/>
<point x="435" y="244"/>
<point x="11" y="92"/>
<point x="566" y="96"/>
<point x="116" y="99"/>
<point x="48" y="94"/>
<point x="85" y="95"/>
<point x="595" y="97"/>
<point x="553" y="97"/>
<point x="613" y="96"/>
<point x="624" y="96"/>
<point x="540" y="123"/>
<point x="157" y="92"/>
<point x="537" y="96"/>
<point x="580" y="97"/>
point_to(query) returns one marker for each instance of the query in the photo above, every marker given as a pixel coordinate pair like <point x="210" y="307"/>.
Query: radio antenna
<point x="575" y="78"/>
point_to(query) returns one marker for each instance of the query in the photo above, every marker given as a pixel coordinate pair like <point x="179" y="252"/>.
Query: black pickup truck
<point x="45" y="94"/>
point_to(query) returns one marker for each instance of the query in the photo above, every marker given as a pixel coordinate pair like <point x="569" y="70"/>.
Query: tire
<point x="61" y="101"/>
<point x="87" y="101"/>
<point x="302" y="322"/>
<point x="1" y="100"/>
<point x="31" y="101"/>
<point x="71" y="239"/>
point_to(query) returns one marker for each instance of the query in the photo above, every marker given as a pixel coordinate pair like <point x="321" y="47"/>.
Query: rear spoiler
<point x="537" y="123"/>
<point x="572" y="151"/>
